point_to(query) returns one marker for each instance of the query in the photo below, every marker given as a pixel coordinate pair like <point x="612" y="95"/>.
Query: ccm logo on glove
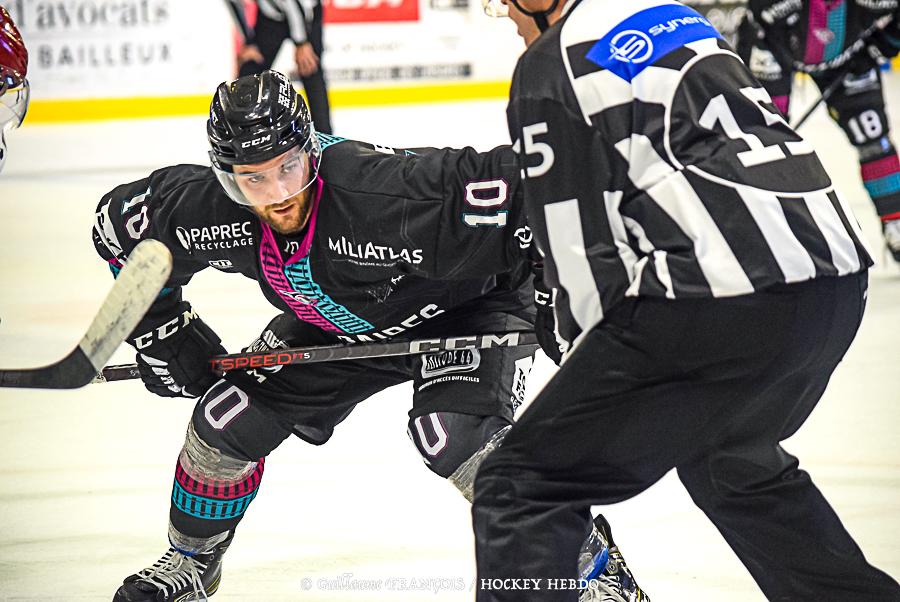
<point x="165" y="330"/>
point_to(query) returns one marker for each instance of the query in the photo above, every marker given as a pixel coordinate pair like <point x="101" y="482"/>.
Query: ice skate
<point x="176" y="577"/>
<point x="614" y="582"/>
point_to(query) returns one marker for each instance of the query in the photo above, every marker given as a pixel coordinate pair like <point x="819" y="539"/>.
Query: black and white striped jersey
<point x="655" y="164"/>
<point x="291" y="11"/>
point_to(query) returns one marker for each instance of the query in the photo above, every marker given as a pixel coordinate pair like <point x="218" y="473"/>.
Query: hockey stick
<point x="823" y="97"/>
<point x="135" y="289"/>
<point x="327" y="353"/>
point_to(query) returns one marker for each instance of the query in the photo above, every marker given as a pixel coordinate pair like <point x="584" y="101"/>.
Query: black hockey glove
<point x="886" y="42"/>
<point x="544" y="321"/>
<point x="173" y="357"/>
<point x="885" y="45"/>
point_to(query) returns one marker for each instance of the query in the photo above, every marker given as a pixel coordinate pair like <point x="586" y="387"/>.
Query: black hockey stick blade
<point x="137" y="286"/>
<point x="328" y="353"/>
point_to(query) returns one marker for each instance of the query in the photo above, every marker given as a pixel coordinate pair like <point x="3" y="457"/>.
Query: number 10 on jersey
<point x="486" y="195"/>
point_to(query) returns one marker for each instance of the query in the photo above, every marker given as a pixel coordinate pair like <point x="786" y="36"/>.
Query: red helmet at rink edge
<point x="14" y="90"/>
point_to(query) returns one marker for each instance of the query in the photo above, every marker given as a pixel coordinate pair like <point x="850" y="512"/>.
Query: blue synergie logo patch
<point x="644" y="37"/>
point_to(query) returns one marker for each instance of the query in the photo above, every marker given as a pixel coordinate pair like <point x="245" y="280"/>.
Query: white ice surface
<point x="85" y="475"/>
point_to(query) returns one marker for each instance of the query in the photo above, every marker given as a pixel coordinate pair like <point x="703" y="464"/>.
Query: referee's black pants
<point x="709" y="387"/>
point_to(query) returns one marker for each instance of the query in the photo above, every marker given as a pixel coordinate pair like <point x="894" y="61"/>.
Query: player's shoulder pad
<point x="343" y="148"/>
<point x="162" y="185"/>
<point x="344" y="161"/>
<point x="190" y="184"/>
<point x="153" y="205"/>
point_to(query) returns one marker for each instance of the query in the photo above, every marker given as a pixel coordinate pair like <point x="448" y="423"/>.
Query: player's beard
<point x="287" y="217"/>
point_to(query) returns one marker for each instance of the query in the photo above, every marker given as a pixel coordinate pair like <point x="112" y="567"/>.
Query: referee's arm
<point x="296" y="20"/>
<point x="236" y="7"/>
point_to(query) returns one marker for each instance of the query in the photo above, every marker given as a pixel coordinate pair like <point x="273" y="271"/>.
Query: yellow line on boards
<point x="363" y="97"/>
<point x="101" y="109"/>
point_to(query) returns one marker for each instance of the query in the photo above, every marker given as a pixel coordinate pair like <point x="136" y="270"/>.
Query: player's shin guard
<point x="881" y="177"/>
<point x="463" y="478"/>
<point x="210" y="494"/>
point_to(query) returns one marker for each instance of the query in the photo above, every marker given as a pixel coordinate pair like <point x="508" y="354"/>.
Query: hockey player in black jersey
<point x="707" y="280"/>
<point x="838" y="44"/>
<point x="352" y="242"/>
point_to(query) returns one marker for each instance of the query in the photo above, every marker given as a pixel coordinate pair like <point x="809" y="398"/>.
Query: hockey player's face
<point x="289" y="216"/>
<point x="272" y="179"/>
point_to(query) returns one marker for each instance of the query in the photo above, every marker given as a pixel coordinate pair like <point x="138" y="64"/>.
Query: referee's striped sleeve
<point x="236" y="7"/>
<point x="296" y="20"/>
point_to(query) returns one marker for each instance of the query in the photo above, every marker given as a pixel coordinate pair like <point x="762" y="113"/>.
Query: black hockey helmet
<point x="254" y="119"/>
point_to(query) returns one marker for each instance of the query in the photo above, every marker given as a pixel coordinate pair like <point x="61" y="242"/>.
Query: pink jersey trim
<point x="782" y="103"/>
<point x="881" y="168"/>
<point x="818" y="21"/>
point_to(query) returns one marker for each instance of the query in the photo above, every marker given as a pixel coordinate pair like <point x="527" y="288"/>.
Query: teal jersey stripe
<point x="837" y="23"/>
<point x="300" y="277"/>
<point x="885" y="186"/>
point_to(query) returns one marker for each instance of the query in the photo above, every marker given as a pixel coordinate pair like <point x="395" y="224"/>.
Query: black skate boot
<point x="176" y="577"/>
<point x="614" y="581"/>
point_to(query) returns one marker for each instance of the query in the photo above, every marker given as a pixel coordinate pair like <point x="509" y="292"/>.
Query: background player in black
<point x="837" y="43"/>
<point x="276" y="22"/>
<point x="343" y="238"/>
<point x="707" y="281"/>
<point x="14" y="89"/>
